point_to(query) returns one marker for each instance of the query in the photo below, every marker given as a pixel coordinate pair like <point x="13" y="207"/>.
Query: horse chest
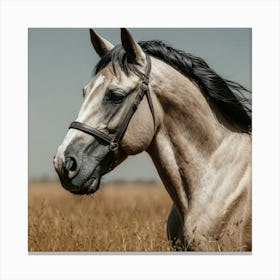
<point x="220" y="219"/>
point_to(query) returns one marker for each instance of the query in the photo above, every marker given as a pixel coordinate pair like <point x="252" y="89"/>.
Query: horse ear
<point x="133" y="50"/>
<point x="101" y="45"/>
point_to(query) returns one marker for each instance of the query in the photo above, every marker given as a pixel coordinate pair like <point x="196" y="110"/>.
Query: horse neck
<point x="187" y="136"/>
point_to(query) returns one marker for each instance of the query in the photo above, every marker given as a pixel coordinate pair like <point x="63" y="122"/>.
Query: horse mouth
<point x="89" y="187"/>
<point x="91" y="184"/>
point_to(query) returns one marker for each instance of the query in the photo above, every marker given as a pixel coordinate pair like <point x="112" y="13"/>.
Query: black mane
<point x="225" y="95"/>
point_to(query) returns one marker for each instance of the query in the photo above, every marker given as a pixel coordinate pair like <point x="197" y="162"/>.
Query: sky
<point x="60" y="64"/>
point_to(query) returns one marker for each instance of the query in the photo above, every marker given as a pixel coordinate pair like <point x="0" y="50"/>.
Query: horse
<point x="195" y="125"/>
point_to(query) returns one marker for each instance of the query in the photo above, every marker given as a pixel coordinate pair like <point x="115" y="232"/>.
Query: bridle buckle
<point x="113" y="146"/>
<point x="144" y="85"/>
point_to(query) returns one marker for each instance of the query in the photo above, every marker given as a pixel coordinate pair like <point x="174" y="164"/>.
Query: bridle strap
<point x="113" y="141"/>
<point x="150" y="102"/>
<point x="92" y="131"/>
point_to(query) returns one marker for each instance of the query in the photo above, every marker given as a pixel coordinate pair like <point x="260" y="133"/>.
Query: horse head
<point x="108" y="127"/>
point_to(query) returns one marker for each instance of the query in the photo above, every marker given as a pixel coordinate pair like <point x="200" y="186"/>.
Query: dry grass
<point x="116" y="218"/>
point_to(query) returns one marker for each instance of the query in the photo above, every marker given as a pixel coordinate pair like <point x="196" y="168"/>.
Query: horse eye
<point x="84" y="92"/>
<point x="115" y="96"/>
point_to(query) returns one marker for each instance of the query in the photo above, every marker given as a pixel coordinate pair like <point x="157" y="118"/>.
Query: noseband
<point x="113" y="140"/>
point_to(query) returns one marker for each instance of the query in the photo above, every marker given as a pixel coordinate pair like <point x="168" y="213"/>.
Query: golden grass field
<point x="117" y="218"/>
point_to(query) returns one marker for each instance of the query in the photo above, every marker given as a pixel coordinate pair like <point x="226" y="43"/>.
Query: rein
<point x="113" y="140"/>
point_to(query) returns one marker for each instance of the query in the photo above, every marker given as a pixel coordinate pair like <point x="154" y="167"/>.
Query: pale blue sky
<point x="61" y="62"/>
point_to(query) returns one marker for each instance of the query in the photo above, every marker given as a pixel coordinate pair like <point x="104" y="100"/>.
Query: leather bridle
<point x="113" y="140"/>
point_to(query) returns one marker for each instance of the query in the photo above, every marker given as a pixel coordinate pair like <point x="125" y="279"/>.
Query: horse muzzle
<point x="82" y="175"/>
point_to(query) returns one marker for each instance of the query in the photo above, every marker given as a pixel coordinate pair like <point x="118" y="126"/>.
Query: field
<point x="120" y="217"/>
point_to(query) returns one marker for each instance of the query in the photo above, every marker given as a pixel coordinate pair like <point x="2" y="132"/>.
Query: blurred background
<point x="61" y="61"/>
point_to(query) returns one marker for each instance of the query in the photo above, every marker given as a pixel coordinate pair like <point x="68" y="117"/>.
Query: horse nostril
<point x="70" y="164"/>
<point x="70" y="167"/>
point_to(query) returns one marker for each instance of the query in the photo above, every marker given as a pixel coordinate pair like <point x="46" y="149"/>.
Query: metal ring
<point x="113" y="146"/>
